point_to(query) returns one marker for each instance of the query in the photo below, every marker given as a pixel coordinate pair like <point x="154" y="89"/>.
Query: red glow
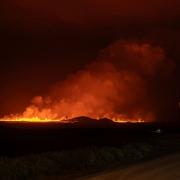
<point x="113" y="87"/>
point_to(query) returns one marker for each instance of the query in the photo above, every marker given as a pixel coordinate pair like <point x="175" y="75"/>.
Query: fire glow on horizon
<point x="115" y="86"/>
<point x="38" y="120"/>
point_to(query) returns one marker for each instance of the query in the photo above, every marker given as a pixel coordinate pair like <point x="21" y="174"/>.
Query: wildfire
<point x="65" y="120"/>
<point x="128" y="120"/>
<point x="36" y="119"/>
<point x="33" y="119"/>
<point x="115" y="86"/>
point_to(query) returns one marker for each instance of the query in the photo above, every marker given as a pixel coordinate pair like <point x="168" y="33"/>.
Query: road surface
<point x="166" y="168"/>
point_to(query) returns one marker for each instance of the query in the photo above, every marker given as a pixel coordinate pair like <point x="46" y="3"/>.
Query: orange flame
<point x="39" y="120"/>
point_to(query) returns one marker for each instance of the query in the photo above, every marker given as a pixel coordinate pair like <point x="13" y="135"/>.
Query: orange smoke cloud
<point x="114" y="86"/>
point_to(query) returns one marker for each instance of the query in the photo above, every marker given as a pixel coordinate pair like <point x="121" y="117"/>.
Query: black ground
<point x="26" y="138"/>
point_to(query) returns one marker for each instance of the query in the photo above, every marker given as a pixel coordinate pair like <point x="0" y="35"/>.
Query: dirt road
<point x="166" y="168"/>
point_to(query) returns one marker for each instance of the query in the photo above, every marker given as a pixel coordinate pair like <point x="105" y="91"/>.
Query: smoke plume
<point x="116" y="85"/>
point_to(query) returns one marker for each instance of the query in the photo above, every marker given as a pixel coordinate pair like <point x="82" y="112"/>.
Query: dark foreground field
<point x="26" y="138"/>
<point x="36" y="150"/>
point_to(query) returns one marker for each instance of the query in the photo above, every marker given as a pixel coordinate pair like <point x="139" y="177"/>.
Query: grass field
<point x="29" y="151"/>
<point x="67" y="162"/>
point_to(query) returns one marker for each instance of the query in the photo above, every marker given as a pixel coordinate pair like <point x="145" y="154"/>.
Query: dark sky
<point x="42" y="41"/>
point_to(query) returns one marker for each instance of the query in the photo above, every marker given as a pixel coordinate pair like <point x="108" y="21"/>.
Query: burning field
<point x="119" y="85"/>
<point x="86" y="86"/>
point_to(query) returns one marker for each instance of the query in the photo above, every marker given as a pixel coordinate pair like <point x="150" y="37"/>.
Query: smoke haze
<point x="116" y="85"/>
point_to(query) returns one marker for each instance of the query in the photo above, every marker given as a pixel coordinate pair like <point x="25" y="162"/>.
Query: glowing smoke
<point x="116" y="85"/>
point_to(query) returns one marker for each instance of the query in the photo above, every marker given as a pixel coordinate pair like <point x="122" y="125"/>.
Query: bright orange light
<point x="63" y="120"/>
<point x="127" y="120"/>
<point x="34" y="120"/>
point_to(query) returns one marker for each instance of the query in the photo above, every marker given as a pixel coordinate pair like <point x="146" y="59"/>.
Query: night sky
<point x="43" y="41"/>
